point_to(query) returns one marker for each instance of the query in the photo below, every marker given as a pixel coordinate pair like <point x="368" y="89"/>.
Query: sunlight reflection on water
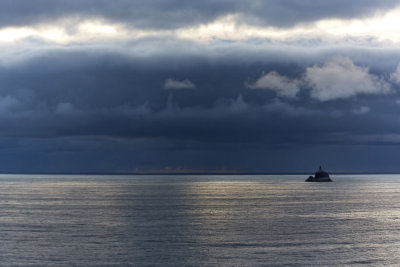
<point x="199" y="220"/>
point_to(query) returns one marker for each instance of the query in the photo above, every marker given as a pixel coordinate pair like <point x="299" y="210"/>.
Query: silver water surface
<point x="232" y="220"/>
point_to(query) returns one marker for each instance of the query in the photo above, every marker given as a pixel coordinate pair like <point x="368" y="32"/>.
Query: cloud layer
<point x="173" y="13"/>
<point x="251" y="86"/>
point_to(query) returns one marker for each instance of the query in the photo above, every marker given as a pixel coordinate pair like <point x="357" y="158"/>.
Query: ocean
<point x="199" y="220"/>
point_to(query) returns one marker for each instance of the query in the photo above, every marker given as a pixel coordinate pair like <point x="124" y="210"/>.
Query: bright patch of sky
<point x="382" y="27"/>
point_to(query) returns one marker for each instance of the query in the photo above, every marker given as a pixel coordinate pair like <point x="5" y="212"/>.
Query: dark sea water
<point x="203" y="220"/>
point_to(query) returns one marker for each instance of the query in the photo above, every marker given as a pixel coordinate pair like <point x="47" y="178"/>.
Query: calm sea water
<point x="232" y="220"/>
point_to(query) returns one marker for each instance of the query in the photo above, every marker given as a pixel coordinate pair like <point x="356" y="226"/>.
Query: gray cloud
<point x="282" y="85"/>
<point x="361" y="110"/>
<point x="175" y="13"/>
<point x="176" y="84"/>
<point x="395" y="76"/>
<point x="337" y="78"/>
<point x="341" y="78"/>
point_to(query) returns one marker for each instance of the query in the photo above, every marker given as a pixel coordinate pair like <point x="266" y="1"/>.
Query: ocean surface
<point x="199" y="220"/>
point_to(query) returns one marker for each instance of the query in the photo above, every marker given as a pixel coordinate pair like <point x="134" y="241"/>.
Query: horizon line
<point x="186" y="173"/>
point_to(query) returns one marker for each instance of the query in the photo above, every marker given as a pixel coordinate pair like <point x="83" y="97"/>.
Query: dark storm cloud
<point x="78" y="94"/>
<point x="176" y="14"/>
<point x="85" y="109"/>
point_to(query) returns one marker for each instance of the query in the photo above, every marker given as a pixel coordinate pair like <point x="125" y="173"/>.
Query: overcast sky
<point x="199" y="86"/>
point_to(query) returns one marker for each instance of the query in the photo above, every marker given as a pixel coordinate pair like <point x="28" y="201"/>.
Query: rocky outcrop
<point x="320" y="176"/>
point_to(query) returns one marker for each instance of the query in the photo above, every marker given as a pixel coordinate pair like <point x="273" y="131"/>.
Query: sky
<point x="224" y="86"/>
